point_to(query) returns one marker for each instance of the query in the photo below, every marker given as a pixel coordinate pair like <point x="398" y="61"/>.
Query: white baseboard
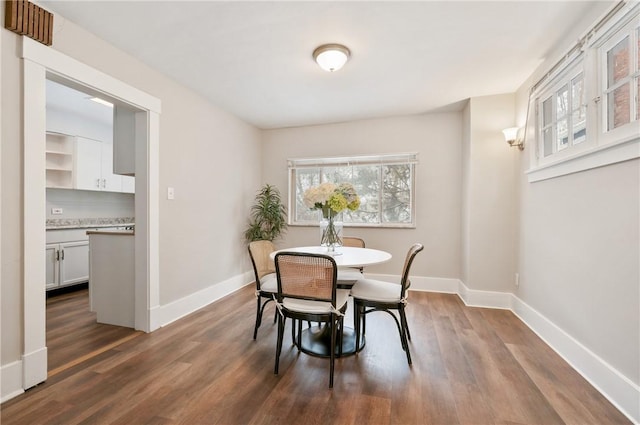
<point x="155" y="319"/>
<point x="433" y="284"/>
<point x="177" y="309"/>
<point x="11" y="381"/>
<point x="486" y="299"/>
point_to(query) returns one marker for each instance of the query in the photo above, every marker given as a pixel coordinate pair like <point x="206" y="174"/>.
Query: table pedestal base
<point x="316" y="341"/>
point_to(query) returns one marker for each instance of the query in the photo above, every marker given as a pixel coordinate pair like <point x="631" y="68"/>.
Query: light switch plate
<point x="56" y="211"/>
<point x="170" y="193"/>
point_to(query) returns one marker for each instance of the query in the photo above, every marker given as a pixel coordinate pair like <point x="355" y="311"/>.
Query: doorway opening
<point x="88" y="188"/>
<point x="41" y="64"/>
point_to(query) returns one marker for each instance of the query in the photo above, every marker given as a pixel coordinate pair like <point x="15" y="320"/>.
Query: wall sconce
<point x="511" y="136"/>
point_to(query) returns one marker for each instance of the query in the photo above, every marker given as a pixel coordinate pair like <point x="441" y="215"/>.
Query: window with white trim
<point x="384" y="183"/>
<point x="587" y="107"/>
<point x="620" y="67"/>
<point x="562" y="114"/>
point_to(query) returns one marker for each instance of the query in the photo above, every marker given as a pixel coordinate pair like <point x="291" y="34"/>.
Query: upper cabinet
<point x="80" y="163"/>
<point x="94" y="166"/>
<point x="124" y="128"/>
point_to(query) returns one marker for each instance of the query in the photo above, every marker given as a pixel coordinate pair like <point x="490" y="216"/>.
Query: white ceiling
<point x="68" y="100"/>
<point x="253" y="59"/>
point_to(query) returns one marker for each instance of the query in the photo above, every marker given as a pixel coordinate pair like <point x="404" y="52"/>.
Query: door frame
<point x="40" y="61"/>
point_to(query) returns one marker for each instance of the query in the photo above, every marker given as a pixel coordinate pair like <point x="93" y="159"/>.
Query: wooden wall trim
<point x="26" y="18"/>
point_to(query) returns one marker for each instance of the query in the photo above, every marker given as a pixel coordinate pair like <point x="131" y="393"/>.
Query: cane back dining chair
<point x="265" y="275"/>
<point x="347" y="276"/>
<point x="307" y="291"/>
<point x="374" y="295"/>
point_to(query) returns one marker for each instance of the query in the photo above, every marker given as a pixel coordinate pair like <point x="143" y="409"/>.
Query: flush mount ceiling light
<point x="331" y="57"/>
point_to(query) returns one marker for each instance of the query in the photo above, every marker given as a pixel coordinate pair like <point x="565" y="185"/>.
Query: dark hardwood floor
<point x="470" y="366"/>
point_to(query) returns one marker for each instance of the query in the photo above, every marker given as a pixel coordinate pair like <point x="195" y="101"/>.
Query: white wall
<point x="489" y="218"/>
<point x="464" y="192"/>
<point x="437" y="139"/>
<point x="580" y="257"/>
<point x="210" y="157"/>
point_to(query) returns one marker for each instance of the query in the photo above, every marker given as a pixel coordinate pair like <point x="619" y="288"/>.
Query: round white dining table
<point x="345" y="256"/>
<point x="315" y="340"/>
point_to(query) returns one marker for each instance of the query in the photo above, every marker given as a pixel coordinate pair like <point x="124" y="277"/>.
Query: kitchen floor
<point x="73" y="335"/>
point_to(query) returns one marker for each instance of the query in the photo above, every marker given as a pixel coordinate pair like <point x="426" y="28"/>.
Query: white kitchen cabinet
<point x="51" y="265"/>
<point x="67" y="263"/>
<point x="94" y="166"/>
<point x="74" y="162"/>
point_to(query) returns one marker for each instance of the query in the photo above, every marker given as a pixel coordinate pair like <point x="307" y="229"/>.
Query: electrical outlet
<point x="517" y="279"/>
<point x="56" y="211"/>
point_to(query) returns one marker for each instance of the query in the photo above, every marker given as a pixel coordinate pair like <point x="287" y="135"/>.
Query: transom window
<point x="620" y="58"/>
<point x="587" y="106"/>
<point x="562" y="114"/>
<point x="384" y="183"/>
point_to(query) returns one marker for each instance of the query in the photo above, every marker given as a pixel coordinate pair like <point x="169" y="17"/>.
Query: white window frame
<point x="566" y="78"/>
<point x="601" y="147"/>
<point x="629" y="28"/>
<point x="350" y="161"/>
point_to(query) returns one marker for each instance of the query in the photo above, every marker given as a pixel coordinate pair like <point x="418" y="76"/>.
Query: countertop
<point x="118" y="232"/>
<point x="88" y="223"/>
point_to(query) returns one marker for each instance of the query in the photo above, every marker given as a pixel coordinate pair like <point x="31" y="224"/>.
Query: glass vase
<point x="331" y="230"/>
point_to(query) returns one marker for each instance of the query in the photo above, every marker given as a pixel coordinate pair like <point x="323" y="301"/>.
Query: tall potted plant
<point x="268" y="219"/>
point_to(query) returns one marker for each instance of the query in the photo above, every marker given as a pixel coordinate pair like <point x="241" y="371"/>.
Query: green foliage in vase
<point x="268" y="216"/>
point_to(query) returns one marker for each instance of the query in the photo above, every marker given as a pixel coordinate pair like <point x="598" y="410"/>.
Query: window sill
<point x="593" y="158"/>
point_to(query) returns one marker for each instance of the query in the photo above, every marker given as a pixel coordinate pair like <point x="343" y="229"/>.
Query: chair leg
<point x="403" y="332"/>
<point x="258" y="319"/>
<point x="406" y="325"/>
<point x="357" y="320"/>
<point x="281" y="321"/>
<point x="364" y="320"/>
<point x="293" y="331"/>
<point x="340" y="335"/>
<point x="332" y="355"/>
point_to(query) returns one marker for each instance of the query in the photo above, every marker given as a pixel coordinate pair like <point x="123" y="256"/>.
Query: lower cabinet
<point x="67" y="263"/>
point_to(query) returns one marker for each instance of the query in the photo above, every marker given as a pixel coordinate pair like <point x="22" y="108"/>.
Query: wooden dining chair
<point x="265" y="275"/>
<point x="374" y="295"/>
<point x="353" y="242"/>
<point x="347" y="276"/>
<point x="307" y="291"/>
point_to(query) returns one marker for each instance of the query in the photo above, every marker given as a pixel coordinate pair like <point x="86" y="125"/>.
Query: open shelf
<point x="59" y="160"/>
